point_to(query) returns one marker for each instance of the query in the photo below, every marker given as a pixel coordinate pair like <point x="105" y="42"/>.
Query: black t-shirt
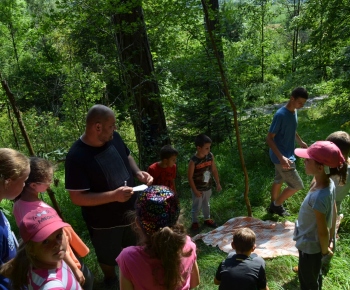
<point x="100" y="169"/>
<point x="242" y="273"/>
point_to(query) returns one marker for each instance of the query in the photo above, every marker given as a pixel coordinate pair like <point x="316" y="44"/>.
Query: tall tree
<point x="139" y="80"/>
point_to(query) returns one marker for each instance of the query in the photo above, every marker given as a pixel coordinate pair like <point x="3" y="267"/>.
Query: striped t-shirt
<point x="53" y="279"/>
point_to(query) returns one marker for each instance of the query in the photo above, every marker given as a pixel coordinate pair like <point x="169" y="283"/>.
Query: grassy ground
<point x="314" y="124"/>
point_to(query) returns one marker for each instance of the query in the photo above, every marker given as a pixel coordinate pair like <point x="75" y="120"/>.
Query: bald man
<point x="99" y="177"/>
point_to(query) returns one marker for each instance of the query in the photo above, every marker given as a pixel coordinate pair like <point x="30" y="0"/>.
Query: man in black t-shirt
<point x="99" y="177"/>
<point x="242" y="271"/>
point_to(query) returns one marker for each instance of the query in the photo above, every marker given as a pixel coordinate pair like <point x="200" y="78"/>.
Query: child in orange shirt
<point x="164" y="171"/>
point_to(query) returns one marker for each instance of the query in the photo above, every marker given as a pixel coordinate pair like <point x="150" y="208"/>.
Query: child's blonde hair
<point x="17" y="268"/>
<point x="12" y="164"/>
<point x="243" y="239"/>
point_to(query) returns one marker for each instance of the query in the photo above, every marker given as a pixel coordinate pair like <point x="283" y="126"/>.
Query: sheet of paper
<point x="140" y="187"/>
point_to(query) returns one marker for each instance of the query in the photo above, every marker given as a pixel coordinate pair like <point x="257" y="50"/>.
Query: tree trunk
<point x="234" y="109"/>
<point x="215" y="95"/>
<point x="139" y="80"/>
<point x="295" y="35"/>
<point x="17" y="113"/>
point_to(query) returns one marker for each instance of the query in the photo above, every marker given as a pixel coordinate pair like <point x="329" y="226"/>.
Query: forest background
<point x="170" y="70"/>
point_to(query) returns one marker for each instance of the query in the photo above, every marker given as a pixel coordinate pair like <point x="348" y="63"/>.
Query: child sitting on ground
<point x="241" y="270"/>
<point x="200" y="169"/>
<point x="166" y="257"/>
<point x="39" y="261"/>
<point x="316" y="212"/>
<point x="39" y="180"/>
<point x="164" y="171"/>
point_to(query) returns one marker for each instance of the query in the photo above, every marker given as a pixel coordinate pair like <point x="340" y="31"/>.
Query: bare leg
<point x="286" y="193"/>
<point x="108" y="271"/>
<point x="275" y="191"/>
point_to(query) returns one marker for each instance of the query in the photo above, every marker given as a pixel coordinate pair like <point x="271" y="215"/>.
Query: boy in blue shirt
<point x="281" y="140"/>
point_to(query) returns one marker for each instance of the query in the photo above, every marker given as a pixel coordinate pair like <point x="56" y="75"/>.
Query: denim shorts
<point x="289" y="176"/>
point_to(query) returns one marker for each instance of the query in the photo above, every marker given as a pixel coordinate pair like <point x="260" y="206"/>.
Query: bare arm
<point x="194" y="280"/>
<point x="322" y="231"/>
<point x="285" y="162"/>
<point x="216" y="281"/>
<point x="87" y="198"/>
<point x="76" y="271"/>
<point x="124" y="284"/>
<point x="143" y="176"/>
<point x="215" y="175"/>
<point x="190" y="179"/>
<point x="332" y="229"/>
<point x="300" y="142"/>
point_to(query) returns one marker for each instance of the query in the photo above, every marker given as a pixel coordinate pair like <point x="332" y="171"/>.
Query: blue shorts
<point x="289" y="176"/>
<point x="108" y="243"/>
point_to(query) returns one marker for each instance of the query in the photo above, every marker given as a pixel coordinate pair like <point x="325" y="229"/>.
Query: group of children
<point x="48" y="256"/>
<point x="327" y="162"/>
<point x="201" y="169"/>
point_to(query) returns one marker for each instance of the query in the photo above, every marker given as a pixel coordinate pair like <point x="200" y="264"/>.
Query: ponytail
<point x="341" y="172"/>
<point x="167" y="245"/>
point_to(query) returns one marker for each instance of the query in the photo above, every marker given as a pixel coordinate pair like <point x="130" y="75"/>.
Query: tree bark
<point x="215" y="123"/>
<point x="17" y="113"/>
<point x="139" y="80"/>
<point x="234" y="109"/>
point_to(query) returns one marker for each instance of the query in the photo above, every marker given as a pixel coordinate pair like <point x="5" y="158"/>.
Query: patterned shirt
<point x="202" y="172"/>
<point x="52" y="279"/>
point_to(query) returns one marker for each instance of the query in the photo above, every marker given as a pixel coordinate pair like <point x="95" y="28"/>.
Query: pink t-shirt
<point x="138" y="267"/>
<point x="53" y="279"/>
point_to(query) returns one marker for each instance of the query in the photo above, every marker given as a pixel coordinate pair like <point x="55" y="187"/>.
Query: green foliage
<point x="61" y="57"/>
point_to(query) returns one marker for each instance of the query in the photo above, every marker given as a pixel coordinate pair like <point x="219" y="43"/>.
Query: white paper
<point x="140" y="187"/>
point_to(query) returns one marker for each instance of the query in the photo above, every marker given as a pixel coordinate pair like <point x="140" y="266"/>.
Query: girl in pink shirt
<point x="166" y="257"/>
<point x="39" y="180"/>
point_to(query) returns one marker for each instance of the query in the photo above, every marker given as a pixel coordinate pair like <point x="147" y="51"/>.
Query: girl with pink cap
<point x="166" y="257"/>
<point x="315" y="219"/>
<point x="39" y="261"/>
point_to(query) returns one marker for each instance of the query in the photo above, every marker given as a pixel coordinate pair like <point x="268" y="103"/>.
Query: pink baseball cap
<point x="324" y="152"/>
<point x="40" y="223"/>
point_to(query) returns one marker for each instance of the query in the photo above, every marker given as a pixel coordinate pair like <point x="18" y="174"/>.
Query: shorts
<point x="108" y="243"/>
<point x="289" y="176"/>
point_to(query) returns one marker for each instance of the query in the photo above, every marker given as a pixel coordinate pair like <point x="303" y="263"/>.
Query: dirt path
<point x="268" y="109"/>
